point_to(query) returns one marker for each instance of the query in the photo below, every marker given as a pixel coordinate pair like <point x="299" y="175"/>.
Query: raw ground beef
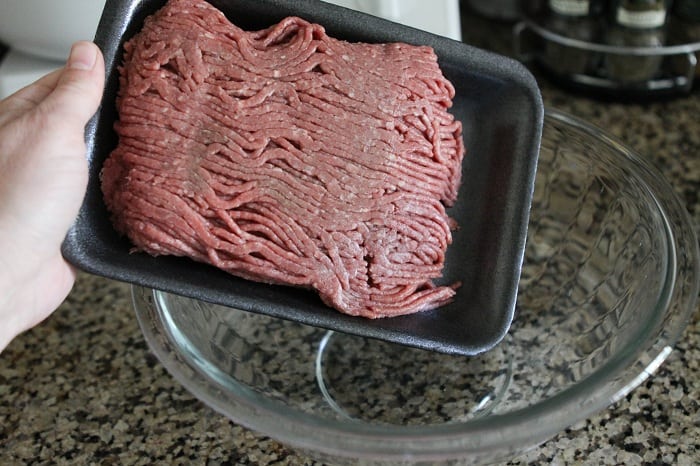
<point x="287" y="156"/>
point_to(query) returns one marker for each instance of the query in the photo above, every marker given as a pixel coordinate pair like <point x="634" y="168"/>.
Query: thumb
<point x="79" y="88"/>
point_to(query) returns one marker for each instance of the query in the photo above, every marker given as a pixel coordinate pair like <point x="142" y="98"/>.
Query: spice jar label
<point x="570" y="7"/>
<point x="641" y="19"/>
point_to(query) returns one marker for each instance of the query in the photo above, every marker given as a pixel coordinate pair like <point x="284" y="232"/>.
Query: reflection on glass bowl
<point x="609" y="282"/>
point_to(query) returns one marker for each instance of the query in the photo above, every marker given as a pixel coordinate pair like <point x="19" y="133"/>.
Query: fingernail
<point x="82" y="56"/>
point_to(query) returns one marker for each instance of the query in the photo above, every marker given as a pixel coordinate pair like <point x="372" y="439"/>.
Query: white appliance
<point x="40" y="33"/>
<point x="436" y="16"/>
<point x="41" y="47"/>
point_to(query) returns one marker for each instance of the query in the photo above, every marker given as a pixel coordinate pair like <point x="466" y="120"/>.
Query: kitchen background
<point x="83" y="387"/>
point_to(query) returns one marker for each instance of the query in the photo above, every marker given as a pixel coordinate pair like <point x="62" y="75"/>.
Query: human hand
<point x="43" y="176"/>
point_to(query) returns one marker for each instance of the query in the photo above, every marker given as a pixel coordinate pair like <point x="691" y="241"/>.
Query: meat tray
<point x="501" y="110"/>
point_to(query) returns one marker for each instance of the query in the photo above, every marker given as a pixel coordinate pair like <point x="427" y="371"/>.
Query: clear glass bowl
<point x="609" y="282"/>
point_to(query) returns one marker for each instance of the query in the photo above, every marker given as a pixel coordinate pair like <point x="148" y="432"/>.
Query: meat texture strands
<point x="288" y="157"/>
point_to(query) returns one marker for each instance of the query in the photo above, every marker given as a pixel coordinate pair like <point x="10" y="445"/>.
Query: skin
<point x="43" y="176"/>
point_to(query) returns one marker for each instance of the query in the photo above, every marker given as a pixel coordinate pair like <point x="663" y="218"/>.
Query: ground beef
<point x="288" y="157"/>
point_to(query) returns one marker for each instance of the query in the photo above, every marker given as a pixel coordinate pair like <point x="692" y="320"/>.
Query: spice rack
<point x="586" y="65"/>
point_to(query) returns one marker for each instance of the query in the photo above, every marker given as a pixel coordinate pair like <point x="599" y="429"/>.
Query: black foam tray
<point x="500" y="106"/>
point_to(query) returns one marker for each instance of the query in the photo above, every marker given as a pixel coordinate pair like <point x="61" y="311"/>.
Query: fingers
<point x="79" y="86"/>
<point x="72" y="92"/>
<point x="28" y="97"/>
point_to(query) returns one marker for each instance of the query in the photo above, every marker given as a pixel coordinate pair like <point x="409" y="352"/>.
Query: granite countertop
<point x="83" y="388"/>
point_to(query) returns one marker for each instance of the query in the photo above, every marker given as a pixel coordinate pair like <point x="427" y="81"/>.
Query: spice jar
<point x="574" y="19"/>
<point x="636" y="23"/>
<point x="504" y="10"/>
<point x="688" y="10"/>
<point x="687" y="26"/>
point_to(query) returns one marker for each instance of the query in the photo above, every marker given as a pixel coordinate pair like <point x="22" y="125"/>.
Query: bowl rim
<point x="516" y="430"/>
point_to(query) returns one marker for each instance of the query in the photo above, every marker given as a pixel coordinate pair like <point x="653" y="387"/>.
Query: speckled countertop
<point x="83" y="388"/>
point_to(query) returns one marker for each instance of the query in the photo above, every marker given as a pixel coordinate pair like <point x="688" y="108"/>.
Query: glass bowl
<point x="609" y="282"/>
